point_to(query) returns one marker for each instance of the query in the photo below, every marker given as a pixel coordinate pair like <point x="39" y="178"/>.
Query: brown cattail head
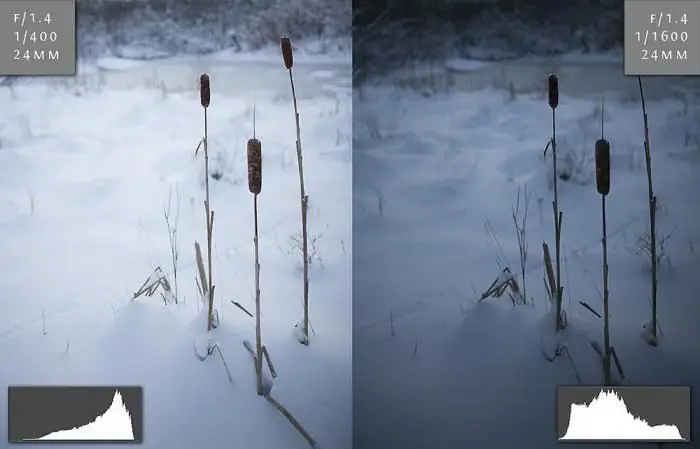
<point x="204" y="90"/>
<point x="254" y="152"/>
<point x="602" y="166"/>
<point x="553" y="91"/>
<point x="287" y="55"/>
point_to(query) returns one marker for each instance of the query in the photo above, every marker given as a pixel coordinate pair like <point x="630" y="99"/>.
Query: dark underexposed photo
<point x="525" y="215"/>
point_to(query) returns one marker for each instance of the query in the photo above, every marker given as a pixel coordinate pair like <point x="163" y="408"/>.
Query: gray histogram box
<point x="37" y="37"/>
<point x="662" y="37"/>
<point x="623" y="414"/>
<point x="75" y="414"/>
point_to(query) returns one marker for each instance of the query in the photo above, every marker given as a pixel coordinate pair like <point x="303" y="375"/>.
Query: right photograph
<point x="526" y="223"/>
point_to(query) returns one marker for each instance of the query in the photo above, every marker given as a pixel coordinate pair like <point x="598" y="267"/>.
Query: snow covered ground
<point x="435" y="178"/>
<point x="87" y="167"/>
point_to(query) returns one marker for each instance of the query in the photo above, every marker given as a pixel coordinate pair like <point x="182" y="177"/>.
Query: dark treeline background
<point x="200" y="26"/>
<point x="392" y="33"/>
<point x="368" y="10"/>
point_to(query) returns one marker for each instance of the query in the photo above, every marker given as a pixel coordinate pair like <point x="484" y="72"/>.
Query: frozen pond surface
<point x="228" y="77"/>
<point x="578" y="77"/>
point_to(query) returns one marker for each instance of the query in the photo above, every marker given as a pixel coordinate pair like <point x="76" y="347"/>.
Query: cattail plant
<point x="288" y="58"/>
<point x="653" y="339"/>
<point x="207" y="288"/>
<point x="602" y="172"/>
<point x="254" y="156"/>
<point x="553" y="97"/>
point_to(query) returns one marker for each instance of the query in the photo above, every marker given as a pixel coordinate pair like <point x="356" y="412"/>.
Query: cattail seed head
<point x="553" y="91"/>
<point x="254" y="154"/>
<point x="287" y="55"/>
<point x="204" y="90"/>
<point x="602" y="166"/>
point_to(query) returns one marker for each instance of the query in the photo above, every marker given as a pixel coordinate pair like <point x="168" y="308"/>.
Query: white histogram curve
<point x="607" y="418"/>
<point x="114" y="424"/>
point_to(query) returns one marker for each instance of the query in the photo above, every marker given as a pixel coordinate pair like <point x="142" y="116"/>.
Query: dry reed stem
<point x="173" y="237"/>
<point x="210" y="296"/>
<point x="287" y="55"/>
<point x="237" y="304"/>
<point x="140" y="291"/>
<point x="563" y="349"/>
<point x="606" y="314"/>
<point x="546" y="289"/>
<point x="258" y="326"/>
<point x="618" y="364"/>
<point x="589" y="308"/>
<point x="268" y="360"/>
<point x="200" y="269"/>
<point x="215" y="313"/>
<point x="228" y="372"/>
<point x="549" y="270"/>
<point x="297" y="425"/>
<point x="557" y="238"/>
<point x="210" y="351"/>
<point x="151" y="284"/>
<point x="652" y="218"/>
<point x="520" y="223"/>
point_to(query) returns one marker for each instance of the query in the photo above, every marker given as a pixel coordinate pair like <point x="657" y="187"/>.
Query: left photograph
<point x="175" y="223"/>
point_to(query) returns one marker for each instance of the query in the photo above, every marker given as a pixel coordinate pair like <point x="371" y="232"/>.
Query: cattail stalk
<point x="553" y="103"/>
<point x="288" y="58"/>
<point x="652" y="219"/>
<point x="606" y="295"/>
<point x="602" y="170"/>
<point x="205" y="100"/>
<point x="258" y="326"/>
<point x="606" y="299"/>
<point x="254" y="156"/>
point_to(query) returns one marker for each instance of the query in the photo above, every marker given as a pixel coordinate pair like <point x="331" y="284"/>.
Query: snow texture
<point x="87" y="167"/>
